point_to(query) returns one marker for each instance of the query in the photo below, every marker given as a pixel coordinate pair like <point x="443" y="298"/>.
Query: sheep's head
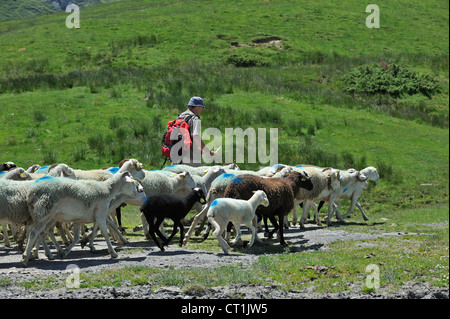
<point x="302" y="179"/>
<point x="371" y="173"/>
<point x="200" y="194"/>
<point x="262" y="197"/>
<point x="333" y="178"/>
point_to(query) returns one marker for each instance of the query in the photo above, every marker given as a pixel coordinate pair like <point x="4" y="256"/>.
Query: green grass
<point x="93" y="96"/>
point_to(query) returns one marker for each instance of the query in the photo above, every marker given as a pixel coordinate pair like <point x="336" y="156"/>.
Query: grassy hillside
<point x="89" y="97"/>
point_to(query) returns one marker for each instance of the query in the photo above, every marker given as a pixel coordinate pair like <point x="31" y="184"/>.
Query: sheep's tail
<point x="213" y="222"/>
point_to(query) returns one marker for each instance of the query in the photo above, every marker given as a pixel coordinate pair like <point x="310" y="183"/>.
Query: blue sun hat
<point x="196" y="101"/>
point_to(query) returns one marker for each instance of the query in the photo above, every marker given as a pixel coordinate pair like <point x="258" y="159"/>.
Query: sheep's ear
<point x="279" y="168"/>
<point x="183" y="174"/>
<point x="361" y="177"/>
<point x="253" y="192"/>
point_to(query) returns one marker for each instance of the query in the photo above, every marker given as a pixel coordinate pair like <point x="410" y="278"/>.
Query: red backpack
<point x="177" y="130"/>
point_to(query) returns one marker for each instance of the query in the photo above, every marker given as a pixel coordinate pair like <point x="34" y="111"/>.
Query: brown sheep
<point x="280" y="192"/>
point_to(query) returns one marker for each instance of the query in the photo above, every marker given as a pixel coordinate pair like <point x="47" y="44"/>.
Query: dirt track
<point x="148" y="254"/>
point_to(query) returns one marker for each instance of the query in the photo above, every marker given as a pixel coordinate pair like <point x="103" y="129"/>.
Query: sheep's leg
<point x="154" y="228"/>
<point x="174" y="231"/>
<point x="119" y="219"/>
<point x="101" y="220"/>
<point x="196" y="219"/>
<point x="306" y="206"/>
<point x="33" y="235"/>
<point x="255" y="223"/>
<point x="90" y="238"/>
<point x="76" y="238"/>
<point x="275" y="225"/>
<point x="253" y="230"/>
<point x="238" y="233"/>
<point x="206" y="234"/>
<point x="316" y="213"/>
<point x="180" y="224"/>
<point x="362" y="212"/>
<point x="338" y="213"/>
<point x="62" y="234"/>
<point x="5" y="235"/>
<point x="220" y="228"/>
<point x="294" y="215"/>
<point x="145" y="226"/>
<point x="282" y="242"/>
<point x="120" y="239"/>
<point x="267" y="233"/>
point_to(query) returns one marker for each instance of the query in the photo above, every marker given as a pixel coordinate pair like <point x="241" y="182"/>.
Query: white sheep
<point x="352" y="189"/>
<point x="237" y="211"/>
<point x="326" y="181"/>
<point x="17" y="174"/>
<point x="64" y="200"/>
<point x="13" y="206"/>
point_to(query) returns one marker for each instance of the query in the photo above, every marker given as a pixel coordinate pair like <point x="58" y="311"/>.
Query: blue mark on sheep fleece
<point x="214" y="203"/>
<point x="42" y="170"/>
<point x="3" y="172"/>
<point x="237" y="180"/>
<point x="345" y="189"/>
<point x="299" y="166"/>
<point x="113" y="169"/>
<point x="45" y="179"/>
<point x="226" y="175"/>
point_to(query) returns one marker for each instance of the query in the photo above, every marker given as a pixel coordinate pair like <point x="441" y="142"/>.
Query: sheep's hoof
<point x="114" y="255"/>
<point x="24" y="262"/>
<point x="267" y="235"/>
<point x="365" y="218"/>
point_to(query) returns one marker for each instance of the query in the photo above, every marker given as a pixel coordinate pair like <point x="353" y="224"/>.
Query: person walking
<point x="192" y="117"/>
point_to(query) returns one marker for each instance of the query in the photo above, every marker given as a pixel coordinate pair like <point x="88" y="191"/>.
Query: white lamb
<point x="238" y="211"/>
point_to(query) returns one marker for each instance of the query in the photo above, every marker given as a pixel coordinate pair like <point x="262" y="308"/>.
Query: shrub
<point x="245" y="59"/>
<point x="394" y="80"/>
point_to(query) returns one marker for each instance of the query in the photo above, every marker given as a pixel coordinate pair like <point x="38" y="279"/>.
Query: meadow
<point x="92" y="96"/>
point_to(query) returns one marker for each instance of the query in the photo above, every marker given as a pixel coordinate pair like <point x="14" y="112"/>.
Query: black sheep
<point x="175" y="207"/>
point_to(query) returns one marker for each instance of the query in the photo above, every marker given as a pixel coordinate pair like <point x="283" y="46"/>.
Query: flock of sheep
<point x="35" y="201"/>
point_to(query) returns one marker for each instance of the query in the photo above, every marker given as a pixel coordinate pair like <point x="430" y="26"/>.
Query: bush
<point x="394" y="80"/>
<point x="245" y="59"/>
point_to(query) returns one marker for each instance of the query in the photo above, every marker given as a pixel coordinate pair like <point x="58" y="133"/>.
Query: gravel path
<point x="149" y="255"/>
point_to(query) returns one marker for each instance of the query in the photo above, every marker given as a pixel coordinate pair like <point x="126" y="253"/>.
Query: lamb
<point x="280" y="191"/>
<point x="161" y="206"/>
<point x="64" y="200"/>
<point x="158" y="182"/>
<point x="237" y="211"/>
<point x="215" y="191"/>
